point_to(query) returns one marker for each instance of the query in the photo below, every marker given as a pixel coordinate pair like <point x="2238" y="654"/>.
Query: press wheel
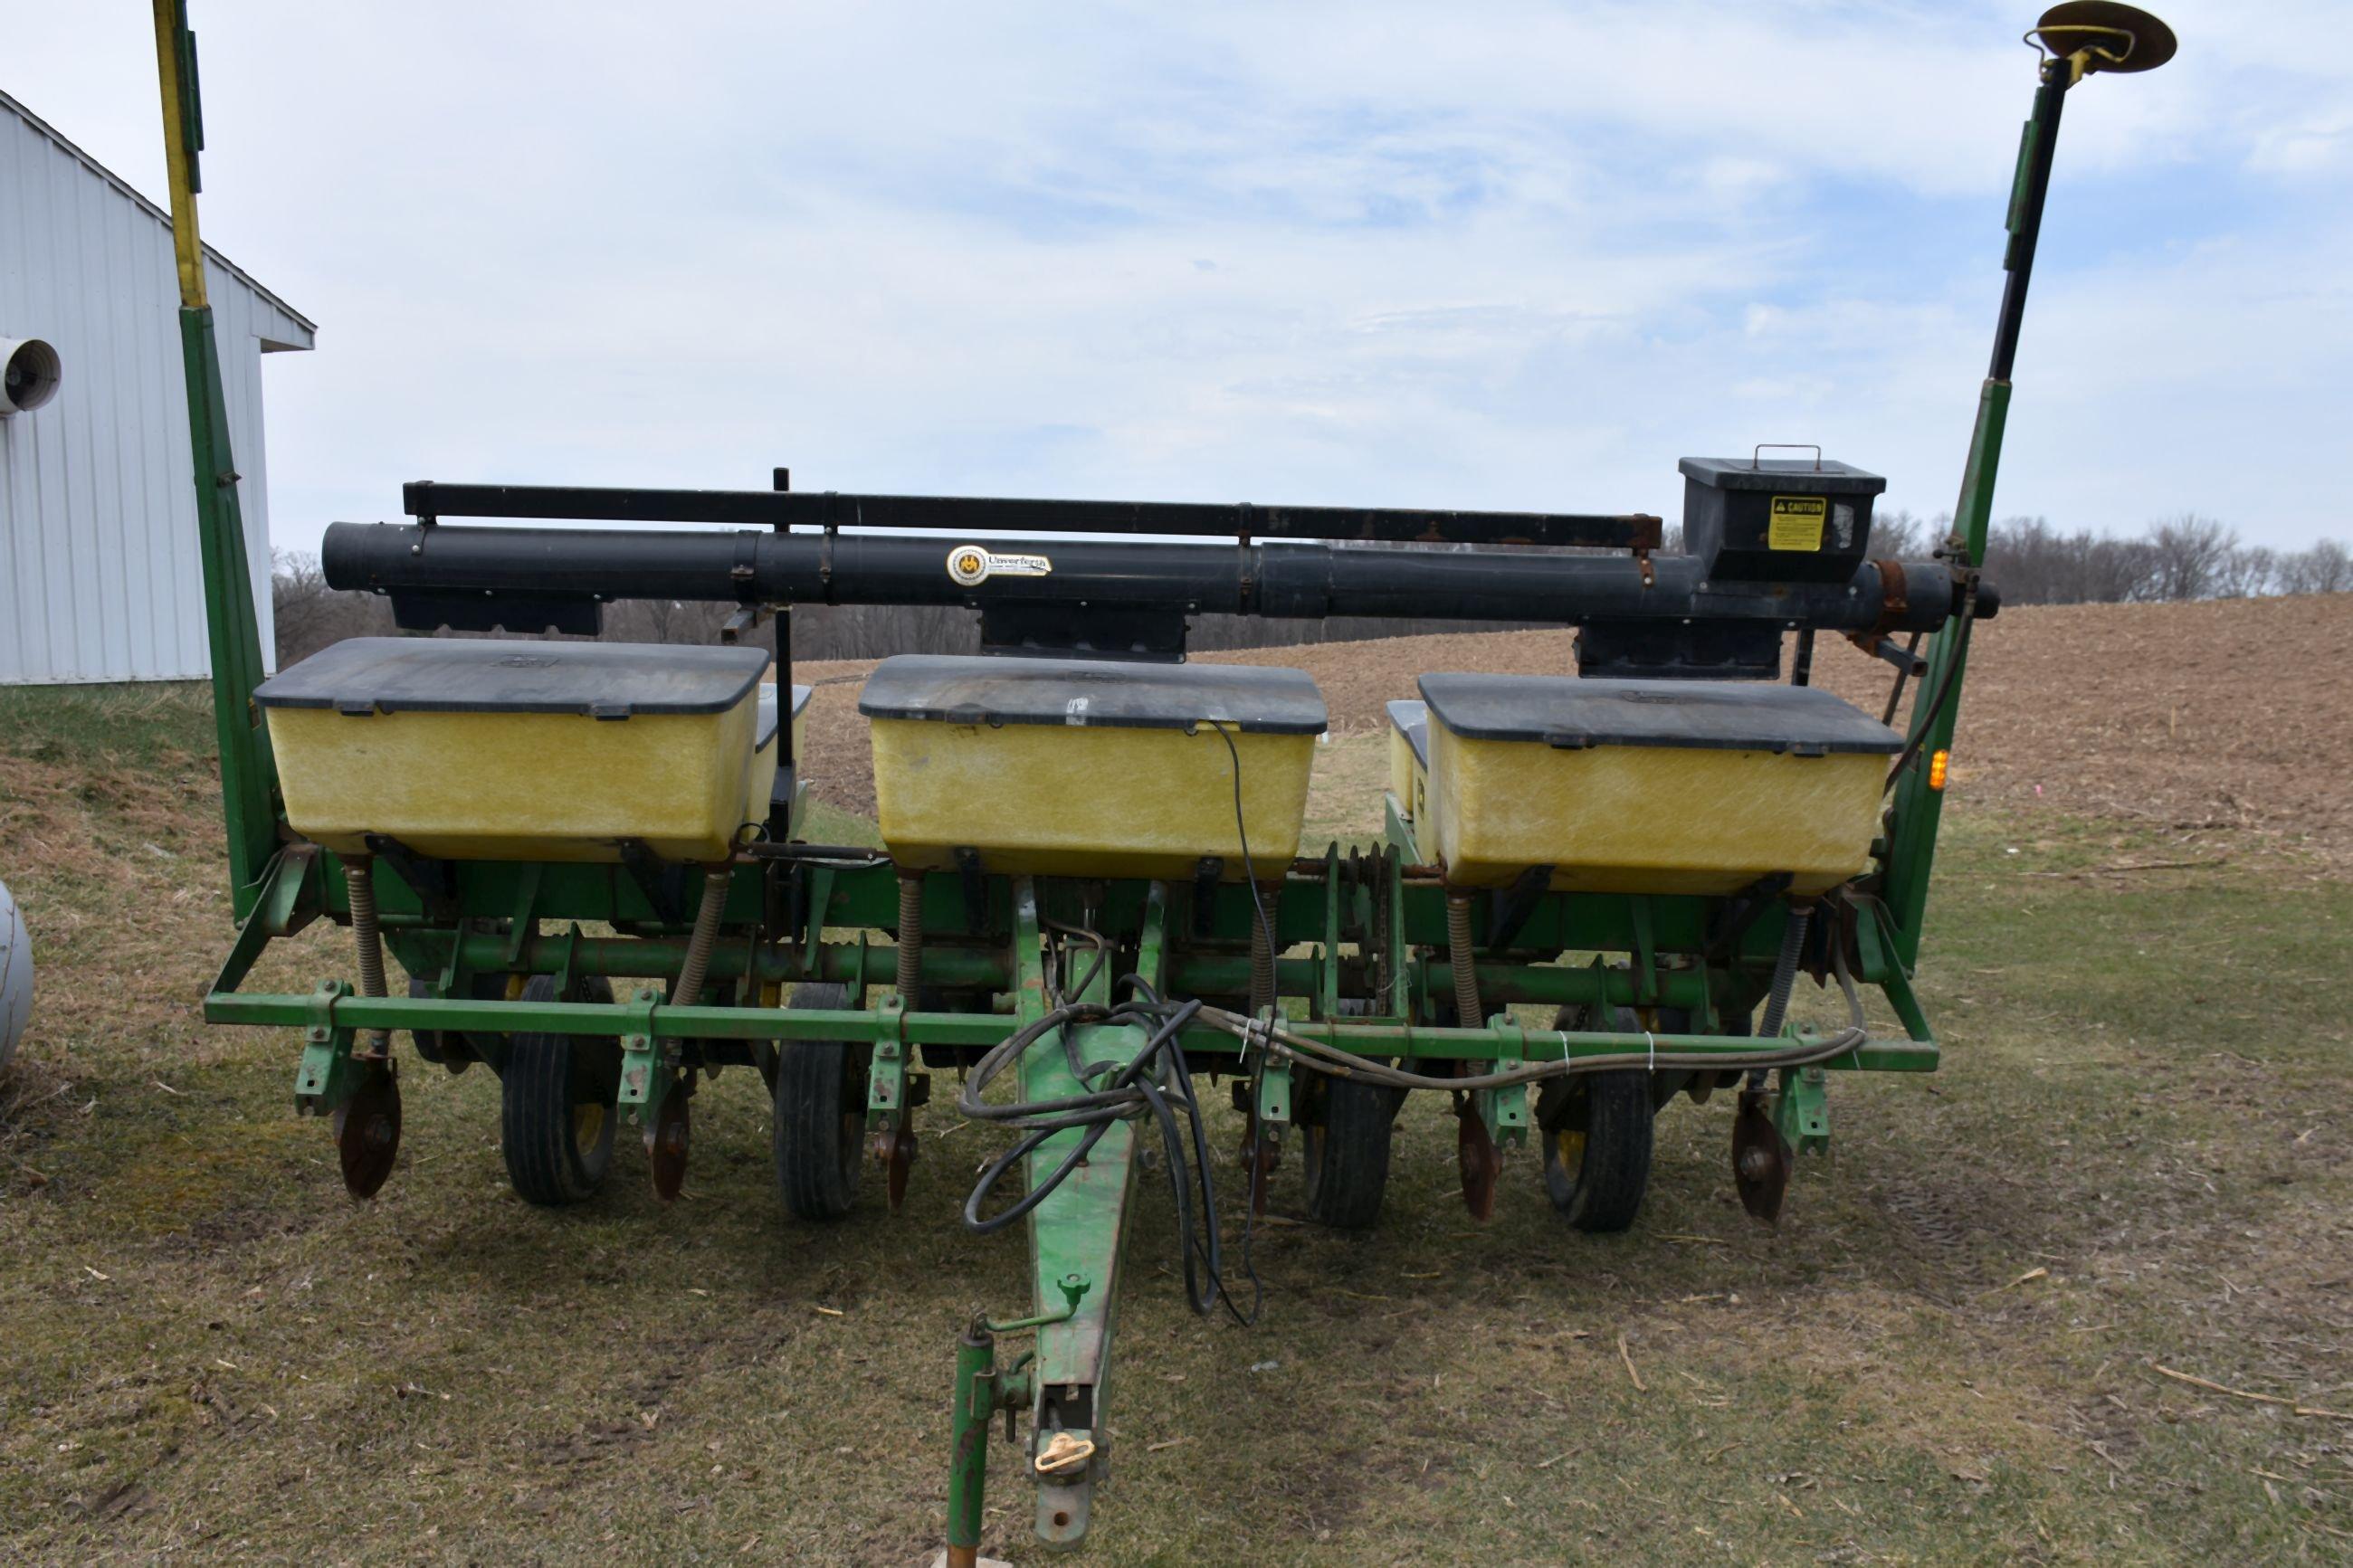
<point x="1344" y="1142"/>
<point x="558" y="1105"/>
<point x="819" y="1130"/>
<point x="1597" y="1130"/>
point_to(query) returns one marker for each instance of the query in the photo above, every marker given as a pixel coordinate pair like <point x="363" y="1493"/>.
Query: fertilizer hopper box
<point x="1090" y="768"/>
<point x="1650" y="787"/>
<point x="477" y="749"/>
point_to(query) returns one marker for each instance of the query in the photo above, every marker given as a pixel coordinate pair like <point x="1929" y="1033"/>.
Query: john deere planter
<point x="1596" y="892"/>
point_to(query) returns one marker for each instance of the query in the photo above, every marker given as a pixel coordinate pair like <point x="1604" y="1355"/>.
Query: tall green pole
<point x="249" y="776"/>
<point x="1919" y="793"/>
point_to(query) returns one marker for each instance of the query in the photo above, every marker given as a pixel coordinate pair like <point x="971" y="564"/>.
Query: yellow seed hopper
<point x="1087" y="768"/>
<point x="1657" y="787"/>
<point x="477" y="749"/>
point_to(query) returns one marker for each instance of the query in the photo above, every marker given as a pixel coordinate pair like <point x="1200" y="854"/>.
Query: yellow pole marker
<point x="178" y="156"/>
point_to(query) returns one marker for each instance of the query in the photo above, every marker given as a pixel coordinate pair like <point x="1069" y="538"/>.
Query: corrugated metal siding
<point x="99" y="572"/>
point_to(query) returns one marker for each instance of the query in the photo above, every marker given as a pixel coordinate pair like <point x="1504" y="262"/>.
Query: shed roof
<point x="300" y="332"/>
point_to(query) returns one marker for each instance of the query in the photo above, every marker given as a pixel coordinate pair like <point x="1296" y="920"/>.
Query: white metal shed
<point x="99" y="578"/>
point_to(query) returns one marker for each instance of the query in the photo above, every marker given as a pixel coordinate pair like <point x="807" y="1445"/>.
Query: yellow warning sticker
<point x="1795" y="522"/>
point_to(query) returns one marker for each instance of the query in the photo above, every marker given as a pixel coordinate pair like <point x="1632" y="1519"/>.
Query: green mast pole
<point x="1919" y="806"/>
<point x="248" y="775"/>
<point x="2083" y="36"/>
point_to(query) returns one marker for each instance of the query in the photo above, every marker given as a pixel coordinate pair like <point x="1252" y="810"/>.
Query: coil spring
<point x="1261" y="968"/>
<point x="910" y="936"/>
<point x="706" y="937"/>
<point x="367" y="932"/>
<point x="1461" y="958"/>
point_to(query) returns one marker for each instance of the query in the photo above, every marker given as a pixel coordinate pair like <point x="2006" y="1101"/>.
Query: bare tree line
<point x="2184" y="557"/>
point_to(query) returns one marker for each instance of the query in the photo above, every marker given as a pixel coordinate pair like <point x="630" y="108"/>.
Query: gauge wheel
<point x="1597" y="1131"/>
<point x="819" y="1129"/>
<point x="558" y="1105"/>
<point x="1346" y="1141"/>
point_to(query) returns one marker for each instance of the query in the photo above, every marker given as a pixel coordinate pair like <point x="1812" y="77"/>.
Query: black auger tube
<point x="430" y="566"/>
<point x="1003" y="514"/>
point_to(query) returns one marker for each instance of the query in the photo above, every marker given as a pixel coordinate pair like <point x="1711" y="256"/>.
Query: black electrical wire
<point x="1242" y="835"/>
<point x="1275" y="958"/>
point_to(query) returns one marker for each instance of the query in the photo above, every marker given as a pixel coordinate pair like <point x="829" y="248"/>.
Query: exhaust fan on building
<point x="30" y="377"/>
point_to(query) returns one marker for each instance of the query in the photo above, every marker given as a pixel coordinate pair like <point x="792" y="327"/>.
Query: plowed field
<point x="2229" y="725"/>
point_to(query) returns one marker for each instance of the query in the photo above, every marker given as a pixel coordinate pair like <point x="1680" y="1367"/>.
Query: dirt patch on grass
<point x="2214" y="722"/>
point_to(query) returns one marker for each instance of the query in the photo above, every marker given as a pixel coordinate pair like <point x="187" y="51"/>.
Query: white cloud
<point x="1510" y="255"/>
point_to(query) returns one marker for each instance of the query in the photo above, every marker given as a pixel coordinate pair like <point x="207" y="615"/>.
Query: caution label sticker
<point x="969" y="565"/>
<point x="1795" y="522"/>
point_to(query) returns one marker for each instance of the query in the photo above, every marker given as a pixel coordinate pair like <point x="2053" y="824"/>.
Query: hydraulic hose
<point x="1317" y="1055"/>
<point x="1157" y="1082"/>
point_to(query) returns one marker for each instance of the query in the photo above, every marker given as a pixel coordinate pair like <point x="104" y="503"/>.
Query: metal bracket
<point x="976" y="890"/>
<point x="647" y="1075"/>
<point x="1801" y="1112"/>
<point x="1207" y="874"/>
<point x="811" y="936"/>
<point x="1505" y="1110"/>
<point x="1646" y="951"/>
<point x="1275" y="1098"/>
<point x="1733" y="918"/>
<point x="886" y="1078"/>
<point x="1327" y="966"/>
<point x="1508" y="909"/>
<point x="435" y="882"/>
<point x="524" y="922"/>
<point x="325" y="1078"/>
<point x="293" y="897"/>
<point x="663" y="883"/>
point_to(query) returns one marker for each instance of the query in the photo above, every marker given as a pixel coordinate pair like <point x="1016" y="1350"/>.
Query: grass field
<point x="2137" y="1156"/>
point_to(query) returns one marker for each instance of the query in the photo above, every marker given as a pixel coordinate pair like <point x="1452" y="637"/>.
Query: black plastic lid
<point x="1707" y="715"/>
<point x="483" y="675"/>
<point x="1087" y="691"/>
<point x="1412" y="720"/>
<point x="1801" y="475"/>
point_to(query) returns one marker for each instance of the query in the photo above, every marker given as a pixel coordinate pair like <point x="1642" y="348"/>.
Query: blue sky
<point x="1502" y="255"/>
